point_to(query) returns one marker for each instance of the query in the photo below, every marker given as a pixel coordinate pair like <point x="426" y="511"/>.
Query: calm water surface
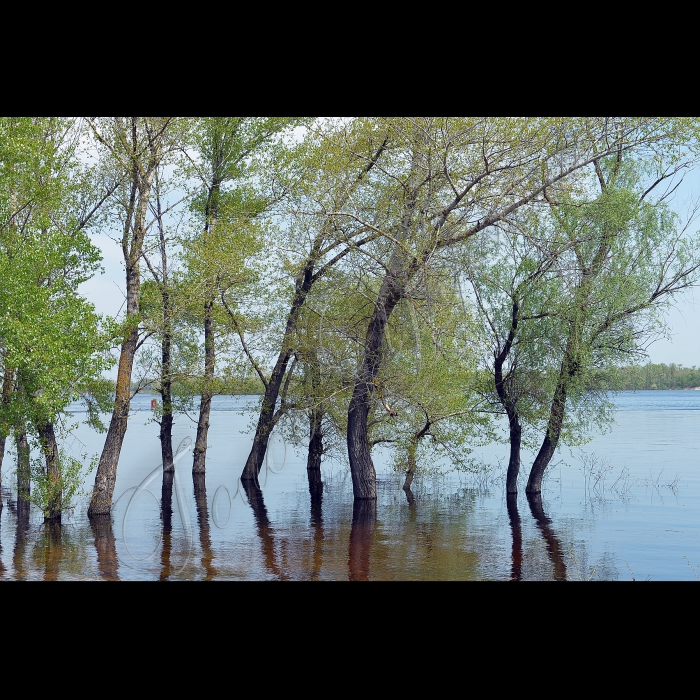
<point x="628" y="507"/>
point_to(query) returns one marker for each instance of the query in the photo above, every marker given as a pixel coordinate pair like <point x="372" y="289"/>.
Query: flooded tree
<point x="228" y="151"/>
<point x="135" y="148"/>
<point x="629" y="258"/>
<point x="52" y="339"/>
<point x="334" y="167"/>
<point x="453" y="179"/>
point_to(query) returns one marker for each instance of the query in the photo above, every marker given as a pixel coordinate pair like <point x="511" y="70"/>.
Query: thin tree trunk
<point x="3" y="570"/>
<point x="24" y="482"/>
<point x="166" y="389"/>
<point x="316" y="450"/>
<point x="201" y="446"/>
<point x="554" y="429"/>
<point x="554" y="548"/>
<point x="8" y="387"/>
<point x="269" y="416"/>
<point x="2" y="459"/>
<point x="511" y="407"/>
<point x="412" y="468"/>
<point x="47" y="437"/>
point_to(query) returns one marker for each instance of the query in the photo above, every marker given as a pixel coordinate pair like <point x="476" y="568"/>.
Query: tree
<point x="515" y="283"/>
<point x="334" y="165"/>
<point x="227" y="150"/>
<point x="53" y="345"/>
<point x="455" y="178"/>
<point x="629" y="262"/>
<point x="136" y="148"/>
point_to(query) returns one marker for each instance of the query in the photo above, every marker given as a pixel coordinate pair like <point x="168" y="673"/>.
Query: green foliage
<point x="47" y="490"/>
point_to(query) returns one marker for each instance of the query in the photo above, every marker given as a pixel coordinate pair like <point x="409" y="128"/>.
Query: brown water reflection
<point x="106" y="548"/>
<point x="364" y="525"/>
<point x="200" y="497"/>
<point x="554" y="548"/>
<point x="167" y="519"/>
<point x="439" y="536"/>
<point x="265" y="531"/>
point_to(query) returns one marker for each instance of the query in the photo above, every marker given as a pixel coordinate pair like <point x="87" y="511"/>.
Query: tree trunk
<point x="554" y="548"/>
<point x="24" y="482"/>
<point x="8" y="387"/>
<point x="316" y="450"/>
<point x="2" y="459"/>
<point x="411" y="473"/>
<point x="106" y="477"/>
<point x="364" y="524"/>
<point x="3" y="570"/>
<point x="134" y="234"/>
<point x="517" y="530"/>
<point x="511" y="406"/>
<point x="47" y="437"/>
<point x="364" y="475"/>
<point x="200" y="497"/>
<point x="268" y="414"/>
<point x="166" y="389"/>
<point x="201" y="446"/>
<point x="516" y="443"/>
<point x="554" y="429"/>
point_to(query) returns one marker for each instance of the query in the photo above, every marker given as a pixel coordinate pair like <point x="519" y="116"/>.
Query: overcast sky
<point x="107" y="293"/>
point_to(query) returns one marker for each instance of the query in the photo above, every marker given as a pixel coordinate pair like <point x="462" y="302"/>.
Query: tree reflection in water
<point x="554" y="548"/>
<point x="318" y="531"/>
<point x="3" y="570"/>
<point x="264" y="527"/>
<point x="200" y="496"/>
<point x="516" y="527"/>
<point x="21" y="510"/>
<point x="106" y="548"/>
<point x="364" y="524"/>
<point x="52" y="546"/>
<point x="167" y="518"/>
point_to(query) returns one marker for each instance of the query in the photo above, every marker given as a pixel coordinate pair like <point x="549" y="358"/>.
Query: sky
<point x="106" y="291"/>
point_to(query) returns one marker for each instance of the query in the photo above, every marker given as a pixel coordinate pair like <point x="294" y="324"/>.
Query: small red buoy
<point x="154" y="404"/>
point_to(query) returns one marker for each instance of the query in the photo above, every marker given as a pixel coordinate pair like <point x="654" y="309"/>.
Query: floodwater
<point x="627" y="507"/>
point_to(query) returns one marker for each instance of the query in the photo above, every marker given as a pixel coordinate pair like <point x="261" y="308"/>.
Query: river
<point x="626" y="507"/>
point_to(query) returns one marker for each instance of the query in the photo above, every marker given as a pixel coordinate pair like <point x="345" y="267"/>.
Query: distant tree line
<point x="653" y="377"/>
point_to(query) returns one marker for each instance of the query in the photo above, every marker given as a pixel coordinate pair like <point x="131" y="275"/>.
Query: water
<point x="628" y="507"/>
